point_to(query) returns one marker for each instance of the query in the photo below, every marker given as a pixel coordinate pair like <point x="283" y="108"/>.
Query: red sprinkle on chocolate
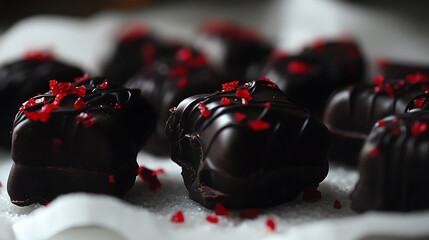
<point x="378" y="80"/>
<point x="111" y="178"/>
<point x="229" y="86"/>
<point x="212" y="219"/>
<point x="43" y="115"/>
<point x="267" y="104"/>
<point x="182" y="82"/>
<point x="418" y="77"/>
<point x="118" y="106"/>
<point x="418" y="102"/>
<point x="31" y="102"/>
<point x="258" y="125"/>
<point x="225" y="101"/>
<point x="337" y="204"/>
<point x="396" y="131"/>
<point x="296" y="67"/>
<point x="82" y="78"/>
<point x="57" y="142"/>
<point x="203" y="110"/>
<point x="80" y="91"/>
<point x="418" y="128"/>
<point x="239" y="116"/>
<point x="272" y="85"/>
<point x="220" y="210"/>
<point x="243" y="93"/>
<point x="389" y="90"/>
<point x="311" y="194"/>
<point x="251" y="213"/>
<point x="270" y="224"/>
<point x="148" y="176"/>
<point x="103" y="85"/>
<point x="38" y="55"/>
<point x="79" y="104"/>
<point x="184" y="54"/>
<point x="264" y="79"/>
<point x="381" y="123"/>
<point x="53" y="87"/>
<point x="86" y="119"/>
<point x="148" y="51"/>
<point x="375" y="152"/>
<point x="178" y="217"/>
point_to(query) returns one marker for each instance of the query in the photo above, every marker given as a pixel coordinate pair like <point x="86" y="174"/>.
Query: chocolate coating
<point x="256" y="160"/>
<point x="393" y="69"/>
<point x="308" y="79"/>
<point x="393" y="166"/>
<point x="75" y="152"/>
<point x="23" y="79"/>
<point x="352" y="111"/>
<point x="166" y="84"/>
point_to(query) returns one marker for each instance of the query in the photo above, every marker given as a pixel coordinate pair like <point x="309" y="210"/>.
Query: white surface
<point x="143" y="214"/>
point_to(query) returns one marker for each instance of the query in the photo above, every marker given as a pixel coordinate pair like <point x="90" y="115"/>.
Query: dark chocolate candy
<point x="394" y="165"/>
<point x="231" y="49"/>
<point x="169" y="81"/>
<point x="25" y="78"/>
<point x="78" y="138"/>
<point x="246" y="147"/>
<point x="352" y="111"/>
<point x="394" y="69"/>
<point x="308" y="79"/>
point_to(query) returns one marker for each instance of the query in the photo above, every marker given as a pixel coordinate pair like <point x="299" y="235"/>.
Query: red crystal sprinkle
<point x="296" y="67"/>
<point x="38" y="55"/>
<point x="57" y="142"/>
<point x="43" y="115"/>
<point x="184" y="54"/>
<point x="243" y="93"/>
<point x="229" y="86"/>
<point x="267" y="105"/>
<point x="378" y="80"/>
<point x="80" y="91"/>
<point x="117" y="106"/>
<point x="251" y="213"/>
<point x="389" y="90"/>
<point x="220" y="210"/>
<point x="337" y="204"/>
<point x="239" y="116"/>
<point x="86" y="119"/>
<point x="79" y="104"/>
<point x="225" y="101"/>
<point x="148" y="176"/>
<point x="53" y="87"/>
<point x="103" y="85"/>
<point x="264" y="79"/>
<point x="270" y="224"/>
<point x="178" y="217"/>
<point x="182" y="82"/>
<point x="111" y="178"/>
<point x="258" y="125"/>
<point x="381" y="123"/>
<point x="212" y="219"/>
<point x="82" y="78"/>
<point x="396" y="131"/>
<point x="272" y="85"/>
<point x="31" y="102"/>
<point x="418" y="77"/>
<point x="178" y="71"/>
<point x="148" y="51"/>
<point x="375" y="152"/>
<point x="311" y="194"/>
<point x="418" y="102"/>
<point x="203" y="110"/>
<point x="418" y="128"/>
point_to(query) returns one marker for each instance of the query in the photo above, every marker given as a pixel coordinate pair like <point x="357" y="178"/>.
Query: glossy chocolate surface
<point x="246" y="147"/>
<point x="352" y="111"/>
<point x="394" y="69"/>
<point x="62" y="148"/>
<point x="23" y="79"/>
<point x="394" y="165"/>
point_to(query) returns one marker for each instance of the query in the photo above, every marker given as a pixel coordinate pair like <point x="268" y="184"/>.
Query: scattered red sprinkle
<point x="43" y="115"/>
<point x="203" y="110"/>
<point x="243" y="93"/>
<point x="311" y="194"/>
<point x="272" y="85"/>
<point x="270" y="224"/>
<point x="86" y="119"/>
<point x="382" y="63"/>
<point x="378" y="80"/>
<point x="117" y="106"/>
<point x="418" y="102"/>
<point x="337" y="204"/>
<point x="178" y="71"/>
<point x="212" y="219"/>
<point x="220" y="210"/>
<point x="251" y="213"/>
<point x="229" y="86"/>
<point x="239" y="116"/>
<point x="267" y="105"/>
<point x="225" y="101"/>
<point x="148" y="176"/>
<point x="418" y="128"/>
<point x="381" y="123"/>
<point x="38" y="55"/>
<point x="57" y="142"/>
<point x="111" y="178"/>
<point x="182" y="82"/>
<point x="178" y="217"/>
<point x="148" y="51"/>
<point x="418" y="77"/>
<point x="184" y="54"/>
<point x="53" y="87"/>
<point x="389" y="90"/>
<point x="258" y="125"/>
<point x="103" y="85"/>
<point x="80" y="91"/>
<point x="31" y="102"/>
<point x="296" y="67"/>
<point x="396" y="131"/>
<point x="82" y="78"/>
<point x="375" y="152"/>
<point x="264" y="79"/>
<point x="79" y="104"/>
<point x="134" y="31"/>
